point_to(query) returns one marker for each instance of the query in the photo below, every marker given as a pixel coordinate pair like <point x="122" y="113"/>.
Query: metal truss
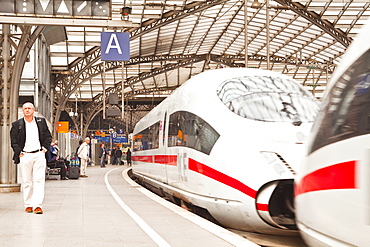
<point x="67" y="84"/>
<point x="231" y="60"/>
<point x="173" y="15"/>
<point x="84" y="73"/>
<point x="314" y="18"/>
<point x="85" y="68"/>
<point x="91" y="109"/>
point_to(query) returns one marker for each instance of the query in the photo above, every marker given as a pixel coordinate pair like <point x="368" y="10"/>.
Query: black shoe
<point x="64" y="178"/>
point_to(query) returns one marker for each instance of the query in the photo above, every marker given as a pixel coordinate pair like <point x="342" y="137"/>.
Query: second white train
<point x="228" y="142"/>
<point x="333" y="185"/>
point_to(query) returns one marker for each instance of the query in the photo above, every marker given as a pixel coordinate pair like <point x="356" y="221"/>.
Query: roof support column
<point x="8" y="171"/>
<point x="246" y="32"/>
<point x="123" y="91"/>
<point x="268" y="34"/>
<point x="104" y="89"/>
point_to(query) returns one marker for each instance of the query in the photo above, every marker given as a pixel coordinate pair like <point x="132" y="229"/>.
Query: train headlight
<point x="277" y="162"/>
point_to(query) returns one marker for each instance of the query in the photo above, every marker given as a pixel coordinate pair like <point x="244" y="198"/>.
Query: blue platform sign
<point x="115" y="46"/>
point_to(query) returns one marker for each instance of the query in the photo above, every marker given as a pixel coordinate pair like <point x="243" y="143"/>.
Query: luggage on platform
<point x="74" y="172"/>
<point x="74" y="168"/>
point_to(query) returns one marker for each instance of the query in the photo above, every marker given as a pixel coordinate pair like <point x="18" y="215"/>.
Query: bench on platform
<point x="52" y="173"/>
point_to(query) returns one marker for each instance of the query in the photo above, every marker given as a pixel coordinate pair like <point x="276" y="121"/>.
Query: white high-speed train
<point x="333" y="185"/>
<point x="229" y="142"/>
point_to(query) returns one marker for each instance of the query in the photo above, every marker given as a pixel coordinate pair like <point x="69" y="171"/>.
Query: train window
<point x="270" y="99"/>
<point x="345" y="113"/>
<point x="189" y="130"/>
<point x="147" y="138"/>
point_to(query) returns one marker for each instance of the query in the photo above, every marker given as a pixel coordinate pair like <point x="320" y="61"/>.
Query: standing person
<point x="83" y="154"/>
<point x="30" y="140"/>
<point x="79" y="144"/>
<point x="102" y="155"/>
<point x="113" y="156"/>
<point x="128" y="157"/>
<point x="117" y="156"/>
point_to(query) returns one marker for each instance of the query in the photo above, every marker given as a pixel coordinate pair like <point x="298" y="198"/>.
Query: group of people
<point x="115" y="154"/>
<point x="34" y="149"/>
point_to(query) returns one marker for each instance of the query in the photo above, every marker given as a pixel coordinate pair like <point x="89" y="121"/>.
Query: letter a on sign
<point x="115" y="46"/>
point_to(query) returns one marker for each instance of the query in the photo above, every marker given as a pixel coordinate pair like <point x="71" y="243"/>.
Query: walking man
<point x="30" y="140"/>
<point x="83" y="154"/>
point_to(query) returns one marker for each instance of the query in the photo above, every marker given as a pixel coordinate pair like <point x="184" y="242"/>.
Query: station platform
<point x="106" y="209"/>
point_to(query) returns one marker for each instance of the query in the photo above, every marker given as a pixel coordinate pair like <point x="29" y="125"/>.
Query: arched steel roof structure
<point x="174" y="40"/>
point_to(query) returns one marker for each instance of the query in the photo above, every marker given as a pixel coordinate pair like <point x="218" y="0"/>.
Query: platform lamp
<point x="256" y="5"/>
<point x="74" y="113"/>
<point x="125" y="11"/>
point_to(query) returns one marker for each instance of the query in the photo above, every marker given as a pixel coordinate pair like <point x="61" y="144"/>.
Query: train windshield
<point x="346" y="108"/>
<point x="269" y="99"/>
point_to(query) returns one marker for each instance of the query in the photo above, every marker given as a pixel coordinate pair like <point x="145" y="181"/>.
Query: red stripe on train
<point x="262" y="207"/>
<point x="146" y="158"/>
<point x="160" y="159"/>
<point x="170" y="160"/>
<point x="221" y="177"/>
<point x="338" y="176"/>
<point x="204" y="170"/>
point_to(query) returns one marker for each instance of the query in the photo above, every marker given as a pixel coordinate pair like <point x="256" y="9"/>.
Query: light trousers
<point x="83" y="166"/>
<point x="33" y="167"/>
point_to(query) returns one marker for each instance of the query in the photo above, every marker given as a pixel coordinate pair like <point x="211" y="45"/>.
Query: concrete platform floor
<point x="106" y="209"/>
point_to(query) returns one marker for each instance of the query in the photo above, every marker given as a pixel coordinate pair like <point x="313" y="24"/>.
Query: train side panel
<point x="333" y="185"/>
<point x="339" y="195"/>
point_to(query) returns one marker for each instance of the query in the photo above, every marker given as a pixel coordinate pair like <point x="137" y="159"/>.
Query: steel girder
<point x="82" y="68"/>
<point x="147" y="26"/>
<point x="314" y="18"/>
<point x="76" y="68"/>
<point x="173" y="15"/>
<point x="84" y="73"/>
<point x="92" y="108"/>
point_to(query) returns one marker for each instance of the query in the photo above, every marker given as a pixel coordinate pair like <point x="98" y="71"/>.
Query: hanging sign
<point x="115" y="46"/>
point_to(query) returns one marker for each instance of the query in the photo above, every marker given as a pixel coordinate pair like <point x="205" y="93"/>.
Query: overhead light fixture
<point x="256" y="5"/>
<point x="125" y="12"/>
<point x="73" y="114"/>
<point x="66" y="72"/>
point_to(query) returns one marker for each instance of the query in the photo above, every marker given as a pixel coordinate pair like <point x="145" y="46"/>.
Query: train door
<point x="164" y="148"/>
<point x="182" y="166"/>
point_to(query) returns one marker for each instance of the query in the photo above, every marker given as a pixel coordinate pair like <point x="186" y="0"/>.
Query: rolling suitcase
<point x="74" y="168"/>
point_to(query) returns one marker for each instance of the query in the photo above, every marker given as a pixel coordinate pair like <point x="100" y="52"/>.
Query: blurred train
<point x="333" y="185"/>
<point x="228" y="142"/>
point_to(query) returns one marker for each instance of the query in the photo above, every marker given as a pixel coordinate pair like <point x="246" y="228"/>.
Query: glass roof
<point x="174" y="40"/>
